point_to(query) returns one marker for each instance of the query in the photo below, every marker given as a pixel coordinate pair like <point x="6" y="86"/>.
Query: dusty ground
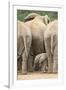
<point x="36" y="75"/>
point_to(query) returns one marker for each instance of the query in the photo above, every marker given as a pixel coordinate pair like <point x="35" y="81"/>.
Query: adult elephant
<point x="24" y="39"/>
<point x="51" y="45"/>
<point x="37" y="25"/>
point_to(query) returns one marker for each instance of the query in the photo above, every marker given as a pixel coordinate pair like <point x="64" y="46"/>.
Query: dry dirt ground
<point x="36" y="75"/>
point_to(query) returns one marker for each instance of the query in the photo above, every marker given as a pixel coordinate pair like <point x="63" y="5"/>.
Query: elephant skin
<point x="24" y="39"/>
<point x="30" y="38"/>
<point x="51" y="46"/>
<point x="37" y="26"/>
<point x="42" y="61"/>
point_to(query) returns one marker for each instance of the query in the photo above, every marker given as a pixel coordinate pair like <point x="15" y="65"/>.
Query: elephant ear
<point x="46" y="19"/>
<point x="30" y="16"/>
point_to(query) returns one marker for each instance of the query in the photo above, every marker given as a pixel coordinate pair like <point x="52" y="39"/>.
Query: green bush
<point x="21" y="14"/>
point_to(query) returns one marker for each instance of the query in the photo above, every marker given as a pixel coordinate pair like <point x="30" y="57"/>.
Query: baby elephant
<point x="42" y="61"/>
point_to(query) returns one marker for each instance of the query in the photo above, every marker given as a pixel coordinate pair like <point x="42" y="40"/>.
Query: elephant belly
<point x="38" y="46"/>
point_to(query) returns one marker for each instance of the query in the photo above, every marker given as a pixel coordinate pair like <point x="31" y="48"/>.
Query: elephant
<point x="31" y="39"/>
<point x="42" y="61"/>
<point x="37" y="24"/>
<point x="51" y="46"/>
<point x="24" y="39"/>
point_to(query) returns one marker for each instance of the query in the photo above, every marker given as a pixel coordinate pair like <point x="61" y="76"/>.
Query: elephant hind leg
<point x="55" y="59"/>
<point x="24" y="64"/>
<point x="50" y="56"/>
<point x="30" y="66"/>
<point x="27" y="44"/>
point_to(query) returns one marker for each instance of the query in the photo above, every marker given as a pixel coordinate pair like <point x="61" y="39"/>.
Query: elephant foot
<point x="55" y="72"/>
<point x="19" y="72"/>
<point x="24" y="72"/>
<point x="43" y="71"/>
<point x="49" y="72"/>
<point x="31" y="70"/>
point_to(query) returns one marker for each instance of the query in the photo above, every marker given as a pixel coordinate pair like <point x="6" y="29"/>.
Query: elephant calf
<point x="41" y="61"/>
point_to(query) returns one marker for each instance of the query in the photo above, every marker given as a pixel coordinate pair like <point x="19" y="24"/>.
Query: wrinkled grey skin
<point x="37" y="26"/>
<point x="30" y="39"/>
<point x="24" y="39"/>
<point x="42" y="61"/>
<point x="51" y="45"/>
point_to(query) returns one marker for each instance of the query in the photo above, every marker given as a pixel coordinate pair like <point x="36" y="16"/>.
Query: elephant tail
<point x="30" y="16"/>
<point x="25" y="45"/>
<point x="52" y="45"/>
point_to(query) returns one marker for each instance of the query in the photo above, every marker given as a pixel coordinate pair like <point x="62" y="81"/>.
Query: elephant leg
<point x="24" y="64"/>
<point x="55" y="66"/>
<point x="55" y="60"/>
<point x="19" y="64"/>
<point x="27" y="45"/>
<point x="54" y="51"/>
<point x="48" y="51"/>
<point x="50" y="64"/>
<point x="43" y="67"/>
<point x="30" y="63"/>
